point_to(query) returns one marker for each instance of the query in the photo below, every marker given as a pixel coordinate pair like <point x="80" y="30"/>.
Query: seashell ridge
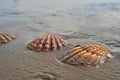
<point x="4" y="37"/>
<point x="88" y="54"/>
<point x="47" y="42"/>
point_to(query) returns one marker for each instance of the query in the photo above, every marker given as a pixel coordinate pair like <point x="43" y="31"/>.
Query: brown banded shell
<point x="4" y="37"/>
<point x="88" y="54"/>
<point x="47" y="42"/>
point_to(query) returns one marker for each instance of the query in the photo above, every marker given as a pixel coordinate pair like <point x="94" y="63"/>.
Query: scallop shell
<point x="4" y="37"/>
<point x="46" y="43"/>
<point x="88" y="54"/>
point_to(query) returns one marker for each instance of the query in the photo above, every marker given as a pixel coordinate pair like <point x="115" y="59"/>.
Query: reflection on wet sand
<point x="78" y="23"/>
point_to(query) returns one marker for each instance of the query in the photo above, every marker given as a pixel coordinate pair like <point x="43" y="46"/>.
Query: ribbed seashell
<point x="88" y="54"/>
<point x="4" y="37"/>
<point x="47" y="42"/>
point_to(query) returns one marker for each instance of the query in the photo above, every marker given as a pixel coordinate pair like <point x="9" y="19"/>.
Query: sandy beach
<point x="89" y="22"/>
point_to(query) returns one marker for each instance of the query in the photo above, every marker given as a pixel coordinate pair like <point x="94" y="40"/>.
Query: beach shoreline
<point x="76" y="26"/>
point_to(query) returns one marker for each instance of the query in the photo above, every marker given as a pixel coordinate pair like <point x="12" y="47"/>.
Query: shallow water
<point x="78" y="22"/>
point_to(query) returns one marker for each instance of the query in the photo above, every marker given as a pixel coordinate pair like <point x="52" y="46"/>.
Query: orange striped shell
<point x="88" y="54"/>
<point x="4" y="37"/>
<point x="47" y="42"/>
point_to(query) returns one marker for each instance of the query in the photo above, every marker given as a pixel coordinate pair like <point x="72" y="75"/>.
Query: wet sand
<point x="78" y="25"/>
